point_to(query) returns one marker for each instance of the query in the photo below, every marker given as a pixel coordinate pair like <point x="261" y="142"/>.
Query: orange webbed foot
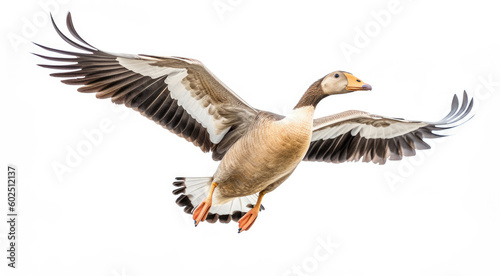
<point x="248" y="219"/>
<point x="201" y="212"/>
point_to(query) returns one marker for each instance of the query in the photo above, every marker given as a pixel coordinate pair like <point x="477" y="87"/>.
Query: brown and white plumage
<point x="179" y="94"/>
<point x="258" y="150"/>
<point x="357" y="135"/>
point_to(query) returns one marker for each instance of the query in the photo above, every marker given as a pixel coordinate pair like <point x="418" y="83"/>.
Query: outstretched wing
<point x="352" y="135"/>
<point x="180" y="94"/>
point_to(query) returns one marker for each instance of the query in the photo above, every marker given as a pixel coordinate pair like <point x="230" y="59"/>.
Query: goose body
<point x="257" y="150"/>
<point x="265" y="156"/>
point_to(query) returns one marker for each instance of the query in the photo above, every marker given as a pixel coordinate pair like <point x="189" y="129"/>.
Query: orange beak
<point x="355" y="84"/>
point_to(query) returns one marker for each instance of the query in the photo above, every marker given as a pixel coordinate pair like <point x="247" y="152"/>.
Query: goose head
<point x="338" y="82"/>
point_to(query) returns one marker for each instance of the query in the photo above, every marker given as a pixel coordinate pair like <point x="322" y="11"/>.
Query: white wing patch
<point x="144" y="68"/>
<point x="367" y="131"/>
<point x="179" y="92"/>
<point x="194" y="107"/>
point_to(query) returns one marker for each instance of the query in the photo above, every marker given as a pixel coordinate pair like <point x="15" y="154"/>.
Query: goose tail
<point x="193" y="190"/>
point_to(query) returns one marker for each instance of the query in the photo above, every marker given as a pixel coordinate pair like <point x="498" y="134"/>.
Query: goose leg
<point x="201" y="212"/>
<point x="249" y="218"/>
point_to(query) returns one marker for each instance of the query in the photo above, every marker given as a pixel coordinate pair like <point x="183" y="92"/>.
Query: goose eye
<point x="336" y="75"/>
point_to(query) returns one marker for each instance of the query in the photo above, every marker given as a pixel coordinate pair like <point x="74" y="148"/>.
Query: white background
<point x="434" y="214"/>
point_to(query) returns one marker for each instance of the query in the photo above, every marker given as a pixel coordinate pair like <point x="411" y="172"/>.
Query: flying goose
<point x="257" y="150"/>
